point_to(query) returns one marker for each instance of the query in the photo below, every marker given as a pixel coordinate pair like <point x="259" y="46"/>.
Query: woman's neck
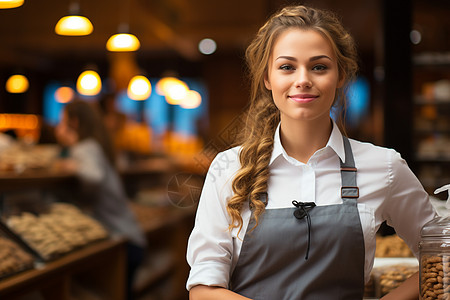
<point x="302" y="139"/>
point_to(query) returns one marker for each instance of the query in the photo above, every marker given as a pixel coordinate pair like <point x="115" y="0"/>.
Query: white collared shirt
<point x="388" y="189"/>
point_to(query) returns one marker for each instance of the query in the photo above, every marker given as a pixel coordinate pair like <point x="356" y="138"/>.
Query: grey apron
<point x="285" y="258"/>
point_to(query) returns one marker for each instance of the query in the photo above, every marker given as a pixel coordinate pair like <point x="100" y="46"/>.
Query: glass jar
<point x="435" y="259"/>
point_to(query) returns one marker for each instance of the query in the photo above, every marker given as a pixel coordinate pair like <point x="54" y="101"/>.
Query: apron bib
<point x="315" y="255"/>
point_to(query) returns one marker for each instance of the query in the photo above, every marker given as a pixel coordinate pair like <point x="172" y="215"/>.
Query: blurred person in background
<point x="90" y="155"/>
<point x="293" y="211"/>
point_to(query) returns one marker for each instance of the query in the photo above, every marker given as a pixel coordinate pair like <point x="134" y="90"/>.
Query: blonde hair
<point x="250" y="183"/>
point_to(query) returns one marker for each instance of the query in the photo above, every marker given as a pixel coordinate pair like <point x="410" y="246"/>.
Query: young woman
<point x="293" y="211"/>
<point x="91" y="157"/>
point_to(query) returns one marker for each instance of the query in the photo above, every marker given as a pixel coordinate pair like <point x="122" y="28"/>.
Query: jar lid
<point x="438" y="227"/>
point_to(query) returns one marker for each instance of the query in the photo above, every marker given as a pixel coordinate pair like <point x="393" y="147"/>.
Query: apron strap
<point x="349" y="188"/>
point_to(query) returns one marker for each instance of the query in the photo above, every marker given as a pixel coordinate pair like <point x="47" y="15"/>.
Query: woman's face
<point x="303" y="75"/>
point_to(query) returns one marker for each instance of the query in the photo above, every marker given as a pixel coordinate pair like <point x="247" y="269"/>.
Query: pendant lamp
<point x="123" y="41"/>
<point x="192" y="100"/>
<point x="74" y="24"/>
<point x="89" y="83"/>
<point x="139" y="88"/>
<point x="17" y="84"/>
<point x="173" y="89"/>
<point x="64" y="94"/>
<point x="4" y="4"/>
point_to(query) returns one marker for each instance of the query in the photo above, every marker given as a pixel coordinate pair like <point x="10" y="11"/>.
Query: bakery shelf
<point x="104" y="261"/>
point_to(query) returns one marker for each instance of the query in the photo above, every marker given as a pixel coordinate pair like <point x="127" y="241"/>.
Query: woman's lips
<point x="303" y="98"/>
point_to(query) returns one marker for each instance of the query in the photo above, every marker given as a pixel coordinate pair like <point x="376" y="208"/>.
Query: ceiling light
<point x="123" y="41"/>
<point x="10" y="3"/>
<point x="192" y="100"/>
<point x="64" y="94"/>
<point x="207" y="46"/>
<point x="139" y="88"/>
<point x="17" y="84"/>
<point x="89" y="83"/>
<point x="173" y="89"/>
<point x="74" y="24"/>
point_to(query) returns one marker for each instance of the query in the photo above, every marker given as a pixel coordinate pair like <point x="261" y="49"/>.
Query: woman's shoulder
<point x="225" y="163"/>
<point x="376" y="154"/>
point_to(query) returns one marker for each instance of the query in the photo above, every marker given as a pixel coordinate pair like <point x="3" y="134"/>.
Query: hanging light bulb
<point x="89" y="83"/>
<point x="173" y="89"/>
<point x="17" y="84"/>
<point x="163" y="83"/>
<point x="10" y="3"/>
<point x="176" y="93"/>
<point x="139" y="88"/>
<point x="123" y="41"/>
<point x="64" y="94"/>
<point x="74" y="24"/>
<point x="192" y="100"/>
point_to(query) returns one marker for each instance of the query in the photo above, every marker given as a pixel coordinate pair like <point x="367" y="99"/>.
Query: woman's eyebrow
<point x="291" y="58"/>
<point x="286" y="57"/>
<point x="319" y="57"/>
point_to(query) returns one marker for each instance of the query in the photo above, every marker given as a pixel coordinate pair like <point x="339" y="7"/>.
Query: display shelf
<point x="421" y="100"/>
<point x="431" y="131"/>
<point x="101" y="264"/>
<point x="37" y="179"/>
<point x="167" y="229"/>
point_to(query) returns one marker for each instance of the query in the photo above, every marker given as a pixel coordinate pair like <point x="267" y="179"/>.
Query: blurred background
<point x="403" y="51"/>
<point x="401" y="98"/>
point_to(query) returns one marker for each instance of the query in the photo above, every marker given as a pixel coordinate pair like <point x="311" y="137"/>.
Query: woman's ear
<point x="267" y="83"/>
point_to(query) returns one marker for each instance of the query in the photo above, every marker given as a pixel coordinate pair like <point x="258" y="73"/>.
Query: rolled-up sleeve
<point x="407" y="207"/>
<point x="210" y="245"/>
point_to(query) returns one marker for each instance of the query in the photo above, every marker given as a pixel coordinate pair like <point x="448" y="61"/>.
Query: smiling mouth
<point x="303" y="98"/>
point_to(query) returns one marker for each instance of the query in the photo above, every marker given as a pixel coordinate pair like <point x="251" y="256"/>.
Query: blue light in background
<point x="156" y="111"/>
<point x="159" y="114"/>
<point x="128" y="106"/>
<point x="186" y="120"/>
<point x="51" y="108"/>
<point x="358" y="95"/>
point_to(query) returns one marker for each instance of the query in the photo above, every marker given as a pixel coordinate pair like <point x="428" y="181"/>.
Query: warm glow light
<point x="10" y="3"/>
<point x="74" y="26"/>
<point x="64" y="94"/>
<point x="123" y="42"/>
<point x="162" y="84"/>
<point x="18" y="121"/>
<point x="176" y="93"/>
<point x="139" y="88"/>
<point x="89" y="83"/>
<point x="173" y="89"/>
<point x="17" y="84"/>
<point x="192" y="100"/>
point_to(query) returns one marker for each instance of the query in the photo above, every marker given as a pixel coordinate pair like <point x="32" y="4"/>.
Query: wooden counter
<point x="36" y="179"/>
<point x="101" y="265"/>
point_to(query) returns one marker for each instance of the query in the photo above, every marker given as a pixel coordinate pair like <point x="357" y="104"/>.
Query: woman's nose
<point x="303" y="79"/>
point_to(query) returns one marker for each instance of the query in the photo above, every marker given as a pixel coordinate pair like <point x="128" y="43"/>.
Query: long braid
<point x="250" y="183"/>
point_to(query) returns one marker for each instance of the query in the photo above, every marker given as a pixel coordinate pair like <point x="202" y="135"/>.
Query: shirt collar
<point x="334" y="142"/>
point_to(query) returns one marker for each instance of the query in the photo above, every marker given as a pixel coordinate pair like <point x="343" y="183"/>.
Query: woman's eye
<point x="286" y="67"/>
<point x="319" y="68"/>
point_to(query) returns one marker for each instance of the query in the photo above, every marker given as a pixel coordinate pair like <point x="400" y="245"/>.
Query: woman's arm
<point x="203" y="292"/>
<point x="408" y="290"/>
